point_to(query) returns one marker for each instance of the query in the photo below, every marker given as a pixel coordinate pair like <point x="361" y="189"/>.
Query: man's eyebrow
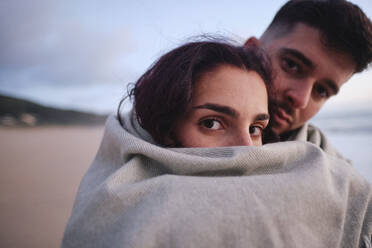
<point x="218" y="108"/>
<point x="298" y="55"/>
<point x="262" y="117"/>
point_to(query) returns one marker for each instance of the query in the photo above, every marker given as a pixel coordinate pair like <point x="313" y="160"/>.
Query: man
<point x="315" y="47"/>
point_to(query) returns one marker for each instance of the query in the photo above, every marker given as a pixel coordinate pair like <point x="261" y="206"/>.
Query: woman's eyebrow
<point x="262" y="117"/>
<point x="218" y="108"/>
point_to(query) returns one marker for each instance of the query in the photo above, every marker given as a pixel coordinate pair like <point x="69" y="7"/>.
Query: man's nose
<point x="299" y="95"/>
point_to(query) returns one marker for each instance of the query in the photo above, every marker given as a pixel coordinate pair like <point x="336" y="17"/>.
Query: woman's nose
<point x="243" y="138"/>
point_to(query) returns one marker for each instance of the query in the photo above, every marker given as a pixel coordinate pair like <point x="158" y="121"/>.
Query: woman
<point x="196" y="96"/>
<point x="186" y="168"/>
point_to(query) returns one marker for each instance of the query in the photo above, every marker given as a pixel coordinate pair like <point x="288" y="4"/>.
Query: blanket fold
<point x="288" y="194"/>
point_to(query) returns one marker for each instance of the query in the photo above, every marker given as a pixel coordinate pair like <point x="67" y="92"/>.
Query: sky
<point x="81" y="54"/>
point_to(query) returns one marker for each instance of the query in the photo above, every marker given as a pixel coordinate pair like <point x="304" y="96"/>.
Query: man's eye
<point x="321" y="91"/>
<point x="255" y="130"/>
<point x="291" y="66"/>
<point x="211" y="124"/>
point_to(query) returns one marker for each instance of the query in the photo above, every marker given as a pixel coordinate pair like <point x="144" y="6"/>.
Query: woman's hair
<point x="164" y="93"/>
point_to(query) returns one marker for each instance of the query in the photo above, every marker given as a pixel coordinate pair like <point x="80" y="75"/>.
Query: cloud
<point x="51" y="42"/>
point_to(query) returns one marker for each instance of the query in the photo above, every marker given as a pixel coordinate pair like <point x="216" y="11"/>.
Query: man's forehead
<point x="310" y="43"/>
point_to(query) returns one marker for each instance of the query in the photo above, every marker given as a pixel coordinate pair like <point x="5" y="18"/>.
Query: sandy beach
<point x="40" y="172"/>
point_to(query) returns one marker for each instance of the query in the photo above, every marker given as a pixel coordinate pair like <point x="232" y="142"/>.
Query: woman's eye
<point x="321" y="91"/>
<point x="255" y="130"/>
<point x="211" y="124"/>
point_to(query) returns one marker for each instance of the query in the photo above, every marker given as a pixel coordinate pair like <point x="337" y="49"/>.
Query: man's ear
<point x="252" y="41"/>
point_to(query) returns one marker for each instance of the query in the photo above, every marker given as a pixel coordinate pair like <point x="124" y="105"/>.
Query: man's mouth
<point x="281" y="116"/>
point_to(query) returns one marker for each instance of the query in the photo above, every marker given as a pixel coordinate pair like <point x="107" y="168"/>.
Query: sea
<point x="350" y="132"/>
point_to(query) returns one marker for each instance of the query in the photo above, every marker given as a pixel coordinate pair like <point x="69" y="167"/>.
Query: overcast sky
<point x="81" y="54"/>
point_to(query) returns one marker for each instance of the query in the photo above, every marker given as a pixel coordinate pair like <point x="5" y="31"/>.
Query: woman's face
<point x="229" y="108"/>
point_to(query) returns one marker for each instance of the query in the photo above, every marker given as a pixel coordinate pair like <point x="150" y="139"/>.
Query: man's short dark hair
<point x="343" y="25"/>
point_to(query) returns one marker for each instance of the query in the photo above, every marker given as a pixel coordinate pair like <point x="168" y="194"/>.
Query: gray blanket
<point x="288" y="194"/>
<point x="314" y="135"/>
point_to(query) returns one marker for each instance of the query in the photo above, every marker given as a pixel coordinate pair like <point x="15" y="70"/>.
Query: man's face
<point x="307" y="74"/>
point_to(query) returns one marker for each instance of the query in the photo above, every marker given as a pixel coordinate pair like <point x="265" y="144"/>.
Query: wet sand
<point x="40" y="172"/>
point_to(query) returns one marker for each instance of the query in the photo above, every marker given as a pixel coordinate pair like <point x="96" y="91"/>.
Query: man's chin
<point x="278" y="130"/>
<point x="283" y="130"/>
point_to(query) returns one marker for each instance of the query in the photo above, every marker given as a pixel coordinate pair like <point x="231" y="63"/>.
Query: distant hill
<point x="19" y="112"/>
